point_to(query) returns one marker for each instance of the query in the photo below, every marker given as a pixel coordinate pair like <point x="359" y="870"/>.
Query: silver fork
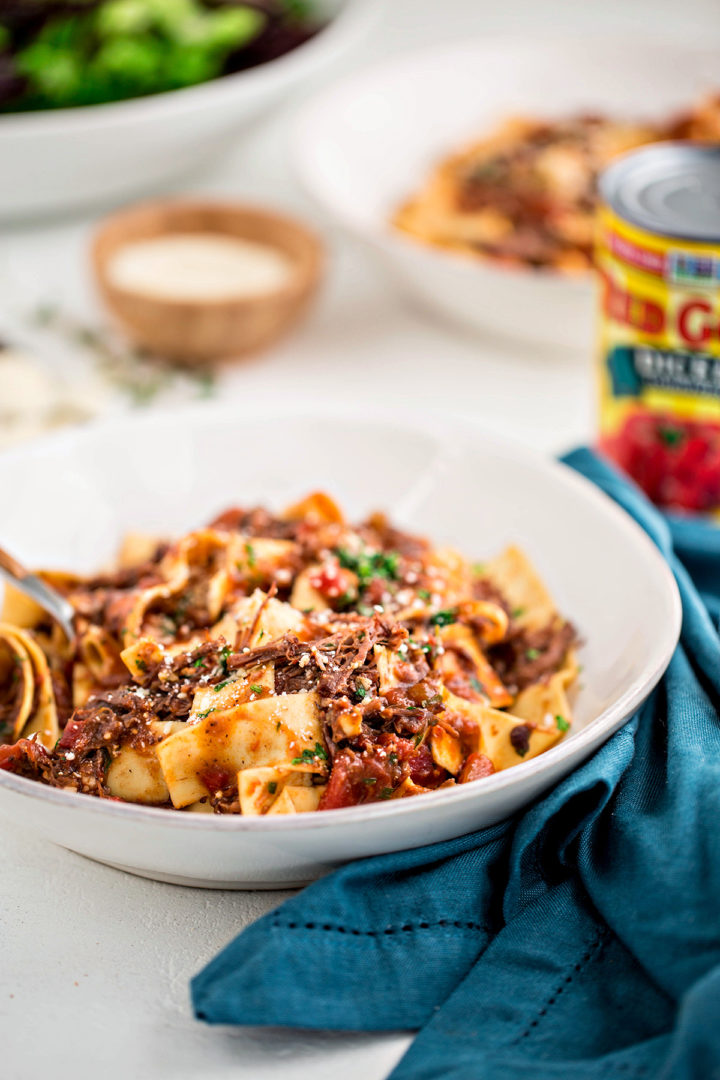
<point x="38" y="590"/>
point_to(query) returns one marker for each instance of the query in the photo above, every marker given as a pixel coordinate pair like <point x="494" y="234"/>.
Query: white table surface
<point x="94" y="963"/>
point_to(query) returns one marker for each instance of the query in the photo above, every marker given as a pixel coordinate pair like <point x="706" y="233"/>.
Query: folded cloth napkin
<point x="578" y="940"/>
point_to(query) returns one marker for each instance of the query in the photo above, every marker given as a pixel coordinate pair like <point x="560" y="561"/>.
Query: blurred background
<point x="370" y="334"/>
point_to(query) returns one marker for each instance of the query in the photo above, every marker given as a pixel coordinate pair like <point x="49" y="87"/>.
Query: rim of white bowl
<point x="410" y="420"/>
<point x="351" y="22"/>
<point x="381" y="233"/>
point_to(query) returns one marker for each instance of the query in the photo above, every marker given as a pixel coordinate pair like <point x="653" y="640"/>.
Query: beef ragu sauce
<point x="282" y="663"/>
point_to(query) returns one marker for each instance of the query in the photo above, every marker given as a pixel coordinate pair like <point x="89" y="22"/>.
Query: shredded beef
<point x="255" y="522"/>
<point x="290" y="678"/>
<point x="483" y="589"/>
<point x="380" y="532"/>
<point x="350" y="653"/>
<point x="285" y="648"/>
<point x="119" y="716"/>
<point x="530" y="656"/>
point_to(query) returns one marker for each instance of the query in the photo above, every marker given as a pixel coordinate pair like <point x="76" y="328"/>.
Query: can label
<point x="659" y="362"/>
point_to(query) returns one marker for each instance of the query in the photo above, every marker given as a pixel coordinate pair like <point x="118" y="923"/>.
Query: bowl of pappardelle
<point x="266" y="683"/>
<point x="471" y="168"/>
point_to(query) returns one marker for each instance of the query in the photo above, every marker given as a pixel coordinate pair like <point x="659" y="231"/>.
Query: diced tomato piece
<point x="476" y="767"/>
<point x="423" y="769"/>
<point x="71" y="734"/>
<point x="215" y="779"/>
<point x="361" y="777"/>
<point x="332" y="580"/>
<point x="9" y="756"/>
<point x="23" y="751"/>
<point x="340" y="790"/>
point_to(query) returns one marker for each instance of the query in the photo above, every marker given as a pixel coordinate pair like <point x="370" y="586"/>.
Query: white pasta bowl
<point x="367" y="145"/>
<point x="60" y="159"/>
<point x="68" y="500"/>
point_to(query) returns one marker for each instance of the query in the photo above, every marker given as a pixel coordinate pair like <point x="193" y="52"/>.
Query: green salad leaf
<point x="110" y="50"/>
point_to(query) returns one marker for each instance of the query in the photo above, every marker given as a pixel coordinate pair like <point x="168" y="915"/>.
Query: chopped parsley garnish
<point x="256" y="688"/>
<point x="308" y="756"/>
<point x="141" y="665"/>
<point x="369" y="780"/>
<point x="385" y="793"/>
<point x="360" y="693"/>
<point x="562" y="724"/>
<point x="202" y="715"/>
<point x="368" y="565"/>
<point x="393" y="758"/>
<point x="478" y="568"/>
<point x="436" y="699"/>
<point x="224" y="657"/>
<point x="443" y="618"/>
<point x="261" y="635"/>
<point x="251" y="557"/>
<point x="423" y="646"/>
<point x="272" y="787"/>
<point x="424" y="594"/>
<point x="221" y="685"/>
<point x="200" y="662"/>
<point x="476" y="685"/>
<point x="518" y="612"/>
<point x="532" y="654"/>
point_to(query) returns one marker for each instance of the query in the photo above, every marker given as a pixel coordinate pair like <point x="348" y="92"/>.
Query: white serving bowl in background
<point x="60" y="159"/>
<point x="364" y="145"/>
<point x="68" y="500"/>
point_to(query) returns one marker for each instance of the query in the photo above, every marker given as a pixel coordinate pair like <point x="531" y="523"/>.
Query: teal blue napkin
<point x="578" y="940"/>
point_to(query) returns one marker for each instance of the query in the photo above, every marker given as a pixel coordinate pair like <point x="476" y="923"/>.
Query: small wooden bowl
<point x="195" y="331"/>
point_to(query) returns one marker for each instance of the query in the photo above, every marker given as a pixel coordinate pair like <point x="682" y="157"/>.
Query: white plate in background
<point x="60" y="159"/>
<point x="68" y="500"/>
<point x="362" y="146"/>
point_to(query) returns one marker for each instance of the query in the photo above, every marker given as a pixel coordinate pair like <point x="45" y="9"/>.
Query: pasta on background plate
<point x="525" y="195"/>
<point x="279" y="664"/>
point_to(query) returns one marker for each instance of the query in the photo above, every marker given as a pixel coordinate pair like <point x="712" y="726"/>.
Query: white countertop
<point x="95" y="963"/>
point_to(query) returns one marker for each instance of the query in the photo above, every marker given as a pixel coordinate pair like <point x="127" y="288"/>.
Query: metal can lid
<point x="672" y="189"/>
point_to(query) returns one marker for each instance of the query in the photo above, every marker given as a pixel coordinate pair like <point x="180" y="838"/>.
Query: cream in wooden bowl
<point x="202" y="281"/>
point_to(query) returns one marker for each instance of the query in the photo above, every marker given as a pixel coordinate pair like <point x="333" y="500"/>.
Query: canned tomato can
<point x="658" y="262"/>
